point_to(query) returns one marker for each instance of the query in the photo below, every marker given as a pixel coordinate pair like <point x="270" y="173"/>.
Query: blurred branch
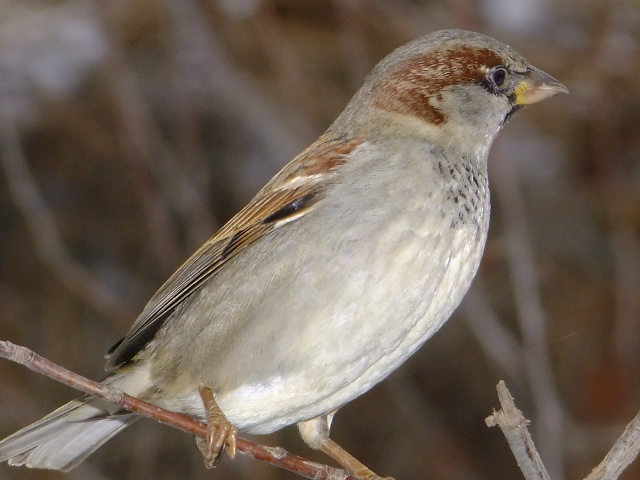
<point x="190" y="193"/>
<point x="353" y="40"/>
<point x="496" y="341"/>
<point x="179" y="185"/>
<point x="423" y="426"/>
<point x="626" y="262"/>
<point x="276" y="456"/>
<point x="136" y="135"/>
<point x="531" y="314"/>
<point x="616" y="191"/>
<point x="285" y="65"/>
<point x="48" y="242"/>
<point x="226" y="86"/>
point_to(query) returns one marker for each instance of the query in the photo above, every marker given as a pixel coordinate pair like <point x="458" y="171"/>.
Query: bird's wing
<point x="288" y="196"/>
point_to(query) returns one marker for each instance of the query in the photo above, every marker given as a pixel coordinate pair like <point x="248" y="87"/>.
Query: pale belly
<point x="326" y="347"/>
<point x="329" y="306"/>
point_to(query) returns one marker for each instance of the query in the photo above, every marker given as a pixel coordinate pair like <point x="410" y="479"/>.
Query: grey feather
<point x="65" y="437"/>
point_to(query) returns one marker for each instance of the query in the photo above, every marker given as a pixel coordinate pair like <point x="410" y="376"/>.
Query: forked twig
<point x="514" y="427"/>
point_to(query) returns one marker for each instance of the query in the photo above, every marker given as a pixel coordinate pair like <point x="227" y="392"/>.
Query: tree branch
<point x="514" y="427"/>
<point x="621" y="455"/>
<point x="276" y="456"/>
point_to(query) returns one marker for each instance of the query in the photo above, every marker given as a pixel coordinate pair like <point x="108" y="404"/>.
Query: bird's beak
<point x="537" y="86"/>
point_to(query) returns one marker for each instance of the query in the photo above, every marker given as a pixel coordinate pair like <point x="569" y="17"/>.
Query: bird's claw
<point x="221" y="434"/>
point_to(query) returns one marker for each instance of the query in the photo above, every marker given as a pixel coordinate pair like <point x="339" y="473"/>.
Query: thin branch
<point x="514" y="427"/>
<point x="276" y="456"/>
<point x="621" y="455"/>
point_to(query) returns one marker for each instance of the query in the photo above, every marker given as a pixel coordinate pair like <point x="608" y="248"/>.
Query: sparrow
<point x="337" y="271"/>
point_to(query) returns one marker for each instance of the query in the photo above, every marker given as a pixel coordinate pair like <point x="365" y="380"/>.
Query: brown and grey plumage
<point x="344" y="264"/>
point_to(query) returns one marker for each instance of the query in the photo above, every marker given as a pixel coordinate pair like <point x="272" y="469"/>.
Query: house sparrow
<point x="338" y="270"/>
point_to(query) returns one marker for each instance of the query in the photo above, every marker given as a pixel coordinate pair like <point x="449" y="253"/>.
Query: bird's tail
<point x="65" y="437"/>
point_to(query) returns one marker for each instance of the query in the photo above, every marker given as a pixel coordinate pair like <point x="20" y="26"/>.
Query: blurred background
<point x="131" y="130"/>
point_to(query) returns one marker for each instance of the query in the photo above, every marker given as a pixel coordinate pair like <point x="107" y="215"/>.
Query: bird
<point x="344" y="264"/>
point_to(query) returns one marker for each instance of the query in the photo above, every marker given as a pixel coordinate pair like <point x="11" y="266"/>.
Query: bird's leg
<point x="348" y="461"/>
<point x="220" y="432"/>
<point x="315" y="433"/>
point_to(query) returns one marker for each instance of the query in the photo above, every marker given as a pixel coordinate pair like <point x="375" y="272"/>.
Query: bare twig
<point x="623" y="452"/>
<point x="276" y="456"/>
<point x="514" y="427"/>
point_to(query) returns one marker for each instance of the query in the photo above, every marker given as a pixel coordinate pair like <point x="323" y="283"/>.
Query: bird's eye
<point x="498" y="75"/>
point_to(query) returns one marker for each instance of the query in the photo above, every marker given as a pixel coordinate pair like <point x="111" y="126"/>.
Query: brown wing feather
<point x="289" y="195"/>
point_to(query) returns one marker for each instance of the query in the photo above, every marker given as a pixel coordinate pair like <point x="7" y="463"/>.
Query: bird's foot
<point x="221" y="434"/>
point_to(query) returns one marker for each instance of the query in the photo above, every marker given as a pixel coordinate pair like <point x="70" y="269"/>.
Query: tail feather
<point x="65" y="437"/>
